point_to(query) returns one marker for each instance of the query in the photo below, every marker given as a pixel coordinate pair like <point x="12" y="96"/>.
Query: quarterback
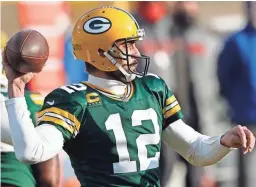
<point x="112" y="125"/>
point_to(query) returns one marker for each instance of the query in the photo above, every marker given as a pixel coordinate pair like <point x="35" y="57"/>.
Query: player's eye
<point x="131" y="45"/>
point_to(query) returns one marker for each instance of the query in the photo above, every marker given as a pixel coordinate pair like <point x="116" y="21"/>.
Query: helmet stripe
<point x="136" y="23"/>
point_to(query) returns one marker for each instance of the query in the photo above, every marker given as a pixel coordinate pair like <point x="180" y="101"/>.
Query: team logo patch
<point x="93" y="98"/>
<point x="97" y="25"/>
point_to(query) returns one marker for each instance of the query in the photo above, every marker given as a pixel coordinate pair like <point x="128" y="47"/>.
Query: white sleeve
<point x="31" y="145"/>
<point x="197" y="149"/>
<point x="5" y="129"/>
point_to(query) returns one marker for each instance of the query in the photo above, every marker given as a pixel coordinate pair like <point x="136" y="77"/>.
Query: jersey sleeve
<point x="63" y="111"/>
<point x="170" y="107"/>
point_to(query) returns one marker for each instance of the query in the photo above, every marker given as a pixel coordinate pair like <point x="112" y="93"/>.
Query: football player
<point x="112" y="125"/>
<point x="13" y="172"/>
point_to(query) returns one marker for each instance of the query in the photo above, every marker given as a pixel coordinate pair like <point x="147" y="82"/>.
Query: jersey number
<point x="74" y="87"/>
<point x="125" y="165"/>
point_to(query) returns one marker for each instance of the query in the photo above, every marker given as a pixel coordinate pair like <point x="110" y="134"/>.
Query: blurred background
<point x="205" y="51"/>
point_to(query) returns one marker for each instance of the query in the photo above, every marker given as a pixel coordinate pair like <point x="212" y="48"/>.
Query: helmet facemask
<point x="116" y="53"/>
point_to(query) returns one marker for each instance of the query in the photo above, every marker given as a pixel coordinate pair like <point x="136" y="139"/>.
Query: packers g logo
<point x="93" y="98"/>
<point x="97" y="25"/>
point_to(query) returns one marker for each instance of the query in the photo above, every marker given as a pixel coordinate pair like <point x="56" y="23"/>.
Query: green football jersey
<point x="14" y="172"/>
<point x="113" y="140"/>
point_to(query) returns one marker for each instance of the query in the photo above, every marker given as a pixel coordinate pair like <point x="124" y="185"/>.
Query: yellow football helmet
<point x="99" y="31"/>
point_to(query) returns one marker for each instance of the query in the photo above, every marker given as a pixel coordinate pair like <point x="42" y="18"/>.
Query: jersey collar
<point x="113" y="86"/>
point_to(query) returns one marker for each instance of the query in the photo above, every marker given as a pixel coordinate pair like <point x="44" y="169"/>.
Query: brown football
<point x="27" y="51"/>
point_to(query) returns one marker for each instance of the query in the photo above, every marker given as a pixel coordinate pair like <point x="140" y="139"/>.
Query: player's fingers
<point x="241" y="133"/>
<point x="250" y="139"/>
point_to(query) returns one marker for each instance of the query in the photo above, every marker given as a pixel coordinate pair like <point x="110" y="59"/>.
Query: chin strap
<point x="128" y="76"/>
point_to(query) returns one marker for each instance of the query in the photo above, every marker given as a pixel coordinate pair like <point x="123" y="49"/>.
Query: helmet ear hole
<point x="101" y="52"/>
<point x="114" y="51"/>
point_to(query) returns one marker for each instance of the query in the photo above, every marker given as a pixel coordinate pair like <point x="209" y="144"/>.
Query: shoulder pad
<point x="153" y="75"/>
<point x="67" y="94"/>
<point x="153" y="82"/>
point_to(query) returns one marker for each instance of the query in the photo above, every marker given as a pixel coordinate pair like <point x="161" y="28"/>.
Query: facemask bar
<point x="125" y="56"/>
<point x="128" y="76"/>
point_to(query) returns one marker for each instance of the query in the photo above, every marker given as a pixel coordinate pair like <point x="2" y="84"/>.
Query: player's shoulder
<point x="153" y="82"/>
<point x="67" y="93"/>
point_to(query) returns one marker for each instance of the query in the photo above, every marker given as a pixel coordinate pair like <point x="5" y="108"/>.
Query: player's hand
<point x="239" y="137"/>
<point x="13" y="76"/>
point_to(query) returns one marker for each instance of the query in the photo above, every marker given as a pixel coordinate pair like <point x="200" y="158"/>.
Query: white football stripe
<point x="171" y="105"/>
<point x="69" y="122"/>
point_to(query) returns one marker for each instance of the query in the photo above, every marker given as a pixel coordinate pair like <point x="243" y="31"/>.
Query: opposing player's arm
<point x="58" y="122"/>
<point x="198" y="149"/>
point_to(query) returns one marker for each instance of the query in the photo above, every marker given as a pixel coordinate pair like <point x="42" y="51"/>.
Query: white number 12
<point x="125" y="165"/>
